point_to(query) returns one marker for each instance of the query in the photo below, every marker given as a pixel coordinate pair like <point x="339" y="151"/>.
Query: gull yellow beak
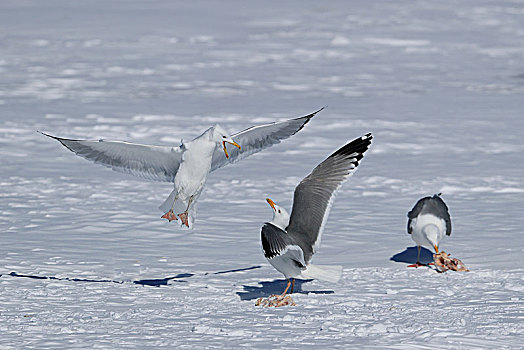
<point x="225" y="149"/>
<point x="436" y="248"/>
<point x="271" y="203"/>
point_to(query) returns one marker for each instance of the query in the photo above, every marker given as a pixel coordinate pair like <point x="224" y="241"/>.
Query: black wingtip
<point x="311" y="115"/>
<point x="307" y="119"/>
<point x="51" y="136"/>
<point x="59" y="139"/>
<point x="359" y="146"/>
<point x="321" y="109"/>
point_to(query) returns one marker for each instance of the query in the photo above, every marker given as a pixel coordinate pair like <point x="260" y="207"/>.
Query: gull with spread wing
<point x="188" y="165"/>
<point x="289" y="241"/>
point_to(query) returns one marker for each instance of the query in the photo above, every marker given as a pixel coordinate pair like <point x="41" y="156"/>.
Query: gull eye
<point x="279" y="211"/>
<point x="223" y="137"/>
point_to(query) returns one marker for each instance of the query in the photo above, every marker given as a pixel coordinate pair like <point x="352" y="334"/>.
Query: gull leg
<point x="183" y="216"/>
<point x="417" y="264"/>
<point x="285" y="290"/>
<point x="292" y="285"/>
<point x="170" y="215"/>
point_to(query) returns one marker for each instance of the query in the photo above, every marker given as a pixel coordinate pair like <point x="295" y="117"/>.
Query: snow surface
<point x="85" y="260"/>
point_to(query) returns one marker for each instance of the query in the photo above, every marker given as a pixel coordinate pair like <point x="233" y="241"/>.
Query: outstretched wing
<point x="315" y="193"/>
<point x="257" y="138"/>
<point x="155" y="163"/>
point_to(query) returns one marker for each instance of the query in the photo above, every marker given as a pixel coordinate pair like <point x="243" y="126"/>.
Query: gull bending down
<point x="289" y="242"/>
<point x="188" y="165"/>
<point x="428" y="221"/>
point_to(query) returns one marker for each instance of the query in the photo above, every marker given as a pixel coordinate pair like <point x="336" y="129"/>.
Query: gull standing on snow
<point x="427" y="222"/>
<point x="187" y="165"/>
<point x="289" y="242"/>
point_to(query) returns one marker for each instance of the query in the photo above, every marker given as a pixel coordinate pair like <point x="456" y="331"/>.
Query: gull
<point x="289" y="241"/>
<point x="427" y="222"/>
<point x="188" y="165"/>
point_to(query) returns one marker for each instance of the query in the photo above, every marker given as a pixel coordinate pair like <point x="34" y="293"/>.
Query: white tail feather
<point x="168" y="202"/>
<point x="329" y="273"/>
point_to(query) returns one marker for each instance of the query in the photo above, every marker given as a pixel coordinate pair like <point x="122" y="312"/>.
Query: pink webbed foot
<point x="184" y="217"/>
<point x="170" y="215"/>
<point x="417" y="264"/>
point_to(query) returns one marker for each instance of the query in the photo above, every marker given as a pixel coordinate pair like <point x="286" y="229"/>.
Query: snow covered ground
<point x="86" y="261"/>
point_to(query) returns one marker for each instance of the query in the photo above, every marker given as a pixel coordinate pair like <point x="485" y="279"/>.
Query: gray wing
<point x="257" y="138"/>
<point x="441" y="209"/>
<point x="155" y="163"/>
<point x="275" y="241"/>
<point x="417" y="209"/>
<point x="315" y="193"/>
<point x="431" y="205"/>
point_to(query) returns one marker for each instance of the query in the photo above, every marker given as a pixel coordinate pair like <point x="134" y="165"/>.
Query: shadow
<point x="163" y="281"/>
<point x="14" y="274"/>
<point x="235" y="270"/>
<point x="152" y="282"/>
<point x="276" y="287"/>
<point x="409" y="256"/>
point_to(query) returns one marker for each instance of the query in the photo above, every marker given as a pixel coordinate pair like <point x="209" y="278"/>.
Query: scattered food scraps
<point x="276" y="300"/>
<point x="443" y="263"/>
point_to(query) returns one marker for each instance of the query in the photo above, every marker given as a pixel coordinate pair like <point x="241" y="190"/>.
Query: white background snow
<point x="439" y="83"/>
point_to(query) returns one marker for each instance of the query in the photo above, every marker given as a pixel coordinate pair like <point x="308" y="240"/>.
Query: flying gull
<point x="187" y="165"/>
<point x="427" y="222"/>
<point x="289" y="242"/>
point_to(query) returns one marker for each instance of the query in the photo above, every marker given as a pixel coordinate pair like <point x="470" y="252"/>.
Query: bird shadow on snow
<point x="276" y="287"/>
<point x="157" y="282"/>
<point x="410" y="256"/>
<point x="154" y="282"/>
<point x="145" y="282"/>
<point x="234" y="270"/>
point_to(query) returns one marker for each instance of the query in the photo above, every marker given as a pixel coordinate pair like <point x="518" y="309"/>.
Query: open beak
<point x="225" y="149"/>
<point x="271" y="203"/>
<point x="436" y="248"/>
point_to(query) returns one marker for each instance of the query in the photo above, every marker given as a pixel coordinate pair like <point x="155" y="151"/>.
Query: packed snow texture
<point x="86" y="261"/>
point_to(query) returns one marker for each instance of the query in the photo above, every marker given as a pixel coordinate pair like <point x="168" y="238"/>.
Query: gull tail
<point x="168" y="202"/>
<point x="329" y="273"/>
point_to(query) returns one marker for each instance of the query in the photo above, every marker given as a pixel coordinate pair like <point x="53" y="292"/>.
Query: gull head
<point x="222" y="136"/>
<point x="280" y="215"/>
<point x="432" y="235"/>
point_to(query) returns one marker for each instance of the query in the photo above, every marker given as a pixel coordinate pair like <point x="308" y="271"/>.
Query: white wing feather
<point x="257" y="138"/>
<point x="155" y="163"/>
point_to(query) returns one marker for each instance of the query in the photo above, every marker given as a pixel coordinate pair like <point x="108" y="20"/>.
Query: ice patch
<point x="340" y="40"/>
<point x="92" y="43"/>
<point x="289" y="87"/>
<point x="41" y="43"/>
<point x="153" y="117"/>
<point x="397" y="42"/>
<point x="202" y="39"/>
<point x="129" y="71"/>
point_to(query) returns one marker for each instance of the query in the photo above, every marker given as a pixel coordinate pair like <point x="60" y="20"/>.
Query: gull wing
<point x="257" y="138"/>
<point x="443" y="211"/>
<point x="316" y="192"/>
<point x="413" y="213"/>
<point x="155" y="163"/>
<point x="276" y="242"/>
